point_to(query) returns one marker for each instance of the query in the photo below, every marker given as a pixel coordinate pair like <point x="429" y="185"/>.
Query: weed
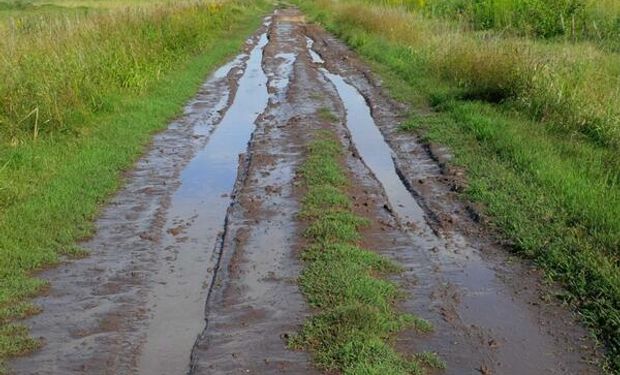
<point x="326" y="115"/>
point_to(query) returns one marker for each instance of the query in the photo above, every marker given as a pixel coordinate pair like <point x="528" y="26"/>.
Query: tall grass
<point x="573" y="88"/>
<point x="55" y="70"/>
<point x="595" y="20"/>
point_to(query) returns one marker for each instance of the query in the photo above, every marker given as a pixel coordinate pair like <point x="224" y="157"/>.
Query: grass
<point x="355" y="317"/>
<point x="551" y="192"/>
<point x="571" y="88"/>
<point x="559" y="20"/>
<point x="95" y="118"/>
<point x="55" y="72"/>
<point x="23" y="11"/>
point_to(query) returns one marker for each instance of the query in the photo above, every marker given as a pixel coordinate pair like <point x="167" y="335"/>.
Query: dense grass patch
<point x="565" y="20"/>
<point x="596" y="20"/>
<point x="56" y="72"/>
<point x="571" y="88"/>
<point x="553" y="195"/>
<point x="355" y="318"/>
<point x="51" y="187"/>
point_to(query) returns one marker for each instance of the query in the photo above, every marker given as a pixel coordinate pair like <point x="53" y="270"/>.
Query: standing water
<point x="196" y="218"/>
<point x="375" y="152"/>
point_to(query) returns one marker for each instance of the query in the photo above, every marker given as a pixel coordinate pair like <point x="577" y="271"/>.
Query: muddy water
<point x="315" y="57"/>
<point x="375" y="152"/>
<point x="510" y="337"/>
<point x="255" y="303"/>
<point x="196" y="218"/>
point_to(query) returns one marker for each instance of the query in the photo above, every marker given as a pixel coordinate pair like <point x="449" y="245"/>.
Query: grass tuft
<point x="356" y="318"/>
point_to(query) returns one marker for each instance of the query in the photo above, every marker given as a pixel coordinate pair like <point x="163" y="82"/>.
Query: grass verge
<point x="53" y="187"/>
<point x="557" y="20"/>
<point x="356" y="317"/>
<point x="552" y="195"/>
<point x="570" y="88"/>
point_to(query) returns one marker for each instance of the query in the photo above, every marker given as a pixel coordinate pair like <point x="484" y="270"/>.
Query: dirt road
<point x="208" y="215"/>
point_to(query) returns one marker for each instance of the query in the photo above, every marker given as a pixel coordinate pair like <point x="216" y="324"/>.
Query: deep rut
<point x="209" y="214"/>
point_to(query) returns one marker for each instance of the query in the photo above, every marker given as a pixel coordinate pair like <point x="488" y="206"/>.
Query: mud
<point x="194" y="263"/>
<point x="196" y="217"/>
<point x="256" y="304"/>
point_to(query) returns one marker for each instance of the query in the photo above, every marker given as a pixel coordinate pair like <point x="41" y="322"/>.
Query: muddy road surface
<point x="194" y="262"/>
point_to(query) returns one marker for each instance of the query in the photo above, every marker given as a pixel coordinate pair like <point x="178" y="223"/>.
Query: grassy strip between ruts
<point x="551" y="195"/>
<point x="356" y="318"/>
<point x="70" y="177"/>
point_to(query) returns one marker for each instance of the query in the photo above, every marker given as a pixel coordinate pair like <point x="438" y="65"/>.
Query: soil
<point x="208" y="218"/>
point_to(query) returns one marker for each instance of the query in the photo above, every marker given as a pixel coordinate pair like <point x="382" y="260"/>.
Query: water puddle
<point x="195" y="220"/>
<point x="375" y="152"/>
<point x="484" y="307"/>
<point x="314" y="56"/>
<point x="207" y="108"/>
<point x="280" y="81"/>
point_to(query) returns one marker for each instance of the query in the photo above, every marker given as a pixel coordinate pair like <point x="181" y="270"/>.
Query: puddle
<point x="314" y="56"/>
<point x="195" y="219"/>
<point x="375" y="152"/>
<point x="255" y="302"/>
<point x="507" y="335"/>
<point x="280" y="81"/>
<point x="208" y="109"/>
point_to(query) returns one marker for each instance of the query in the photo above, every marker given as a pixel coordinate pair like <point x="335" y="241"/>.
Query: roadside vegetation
<point x="535" y="123"/>
<point x="355" y="318"/>
<point x="561" y="20"/>
<point x="16" y="11"/>
<point x="80" y="97"/>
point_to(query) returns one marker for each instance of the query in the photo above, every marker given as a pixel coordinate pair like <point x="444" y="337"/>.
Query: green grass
<point x="52" y="187"/>
<point x="572" y="88"/>
<point x="553" y="195"/>
<point x="355" y="317"/>
<point x="559" y="20"/>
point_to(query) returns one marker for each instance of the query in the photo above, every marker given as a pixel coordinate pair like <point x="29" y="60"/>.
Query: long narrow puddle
<point x="523" y="347"/>
<point x="375" y="152"/>
<point x="196" y="217"/>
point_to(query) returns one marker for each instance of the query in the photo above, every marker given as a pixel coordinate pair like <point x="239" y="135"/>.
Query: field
<point x="343" y="196"/>
<point x="559" y="20"/>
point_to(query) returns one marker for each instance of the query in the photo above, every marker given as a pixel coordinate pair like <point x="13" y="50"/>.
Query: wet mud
<point x="255" y="303"/>
<point x="194" y="265"/>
